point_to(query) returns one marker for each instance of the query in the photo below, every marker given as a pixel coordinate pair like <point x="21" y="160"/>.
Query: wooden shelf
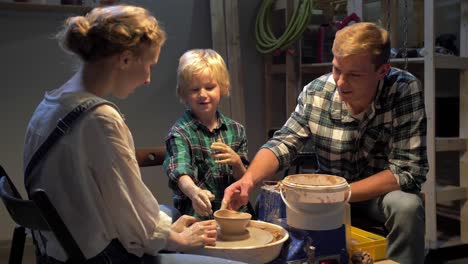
<point x="450" y="62"/>
<point x="440" y="62"/>
<point x="450" y="144"/>
<point x="450" y="193"/>
<point x="32" y="7"/>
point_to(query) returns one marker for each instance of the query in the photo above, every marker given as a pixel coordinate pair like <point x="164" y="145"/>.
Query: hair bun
<point x="78" y="25"/>
<point x="75" y="36"/>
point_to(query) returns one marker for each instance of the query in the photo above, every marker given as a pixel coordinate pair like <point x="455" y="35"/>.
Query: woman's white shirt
<point x="92" y="177"/>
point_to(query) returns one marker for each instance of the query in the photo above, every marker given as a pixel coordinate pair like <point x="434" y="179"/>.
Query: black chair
<point x="38" y="214"/>
<point x="154" y="156"/>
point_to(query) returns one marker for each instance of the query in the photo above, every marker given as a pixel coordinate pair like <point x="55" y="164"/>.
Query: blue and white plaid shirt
<point x="390" y="135"/>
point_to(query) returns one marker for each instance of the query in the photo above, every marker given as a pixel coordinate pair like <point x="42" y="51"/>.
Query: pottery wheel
<point x="257" y="237"/>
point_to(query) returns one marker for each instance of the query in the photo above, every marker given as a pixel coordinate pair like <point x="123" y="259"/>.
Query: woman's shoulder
<point x="102" y="111"/>
<point x="108" y="110"/>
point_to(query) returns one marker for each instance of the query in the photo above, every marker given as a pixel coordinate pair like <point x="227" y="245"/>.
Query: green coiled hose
<point x="266" y="40"/>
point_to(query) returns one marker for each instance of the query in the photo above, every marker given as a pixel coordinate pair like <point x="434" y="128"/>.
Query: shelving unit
<point x="435" y="194"/>
<point x="32" y="7"/>
<point x="427" y="68"/>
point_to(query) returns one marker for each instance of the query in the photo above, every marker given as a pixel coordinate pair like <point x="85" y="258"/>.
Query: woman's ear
<point x="124" y="59"/>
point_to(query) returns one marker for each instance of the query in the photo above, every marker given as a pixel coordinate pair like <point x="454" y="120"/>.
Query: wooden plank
<point x="463" y="119"/>
<point x="291" y="73"/>
<point x="450" y="193"/>
<point x="450" y="62"/>
<point x="218" y="36"/>
<point x="450" y="144"/>
<point x="277" y="68"/>
<point x="418" y="23"/>
<point x="429" y="99"/>
<point x="218" y="27"/>
<point x="394" y="25"/>
<point x="234" y="60"/>
<point x="268" y="93"/>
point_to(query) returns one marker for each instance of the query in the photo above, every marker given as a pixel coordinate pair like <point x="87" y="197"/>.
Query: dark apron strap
<point x="63" y="126"/>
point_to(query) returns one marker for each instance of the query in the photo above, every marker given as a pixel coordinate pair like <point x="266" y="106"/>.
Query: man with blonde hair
<point x="366" y="123"/>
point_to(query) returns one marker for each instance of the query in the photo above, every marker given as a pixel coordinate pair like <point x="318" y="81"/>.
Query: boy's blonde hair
<point x="197" y="61"/>
<point x="360" y="38"/>
<point x="106" y="31"/>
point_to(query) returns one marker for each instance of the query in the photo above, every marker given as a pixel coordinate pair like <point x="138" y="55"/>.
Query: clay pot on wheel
<point x="232" y="224"/>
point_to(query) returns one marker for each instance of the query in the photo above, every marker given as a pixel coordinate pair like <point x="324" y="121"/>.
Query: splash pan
<point x="262" y="246"/>
<point x="253" y="237"/>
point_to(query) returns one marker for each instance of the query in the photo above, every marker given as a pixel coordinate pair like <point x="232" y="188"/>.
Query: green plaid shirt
<point x="189" y="153"/>
<point x="391" y="134"/>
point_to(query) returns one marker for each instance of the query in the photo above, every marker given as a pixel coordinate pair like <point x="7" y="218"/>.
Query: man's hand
<point x="237" y="194"/>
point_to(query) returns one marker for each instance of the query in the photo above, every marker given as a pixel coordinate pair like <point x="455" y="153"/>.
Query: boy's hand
<point x="223" y="154"/>
<point x="201" y="199"/>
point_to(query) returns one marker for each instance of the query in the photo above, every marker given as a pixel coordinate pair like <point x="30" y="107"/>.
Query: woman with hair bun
<point x="88" y="168"/>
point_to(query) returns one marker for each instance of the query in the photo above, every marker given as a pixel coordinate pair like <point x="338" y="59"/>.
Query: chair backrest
<point x="38" y="214"/>
<point x="150" y="156"/>
<point x="154" y="156"/>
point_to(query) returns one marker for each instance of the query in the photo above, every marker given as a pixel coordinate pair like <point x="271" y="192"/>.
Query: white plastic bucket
<point x="314" y="201"/>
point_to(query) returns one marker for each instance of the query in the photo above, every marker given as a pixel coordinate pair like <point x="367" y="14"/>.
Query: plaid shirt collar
<point x="338" y="109"/>
<point x="196" y="125"/>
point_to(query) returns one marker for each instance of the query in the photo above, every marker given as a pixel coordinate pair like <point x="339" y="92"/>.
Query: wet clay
<point x="232" y="223"/>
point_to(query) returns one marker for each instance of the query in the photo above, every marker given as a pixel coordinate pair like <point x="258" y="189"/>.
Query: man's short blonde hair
<point x="360" y="38"/>
<point x="196" y="61"/>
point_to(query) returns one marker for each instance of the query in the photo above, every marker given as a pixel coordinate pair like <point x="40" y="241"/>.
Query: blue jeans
<point x="403" y="215"/>
<point x="171" y="211"/>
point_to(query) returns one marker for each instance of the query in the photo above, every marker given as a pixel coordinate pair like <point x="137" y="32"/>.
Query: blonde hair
<point x="106" y="31"/>
<point x="363" y="37"/>
<point x="196" y="61"/>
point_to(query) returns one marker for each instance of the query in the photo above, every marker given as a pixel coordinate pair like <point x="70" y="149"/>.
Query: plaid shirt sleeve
<point x="408" y="157"/>
<point x="291" y="138"/>
<point x="177" y="161"/>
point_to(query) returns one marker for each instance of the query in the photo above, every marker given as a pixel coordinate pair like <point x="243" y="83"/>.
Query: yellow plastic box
<point x="374" y="244"/>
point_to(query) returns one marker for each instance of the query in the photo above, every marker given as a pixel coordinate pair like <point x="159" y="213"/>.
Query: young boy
<point x="206" y="151"/>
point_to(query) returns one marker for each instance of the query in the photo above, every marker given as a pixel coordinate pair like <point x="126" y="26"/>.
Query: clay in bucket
<point x="232" y="224"/>
<point x="314" y="201"/>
